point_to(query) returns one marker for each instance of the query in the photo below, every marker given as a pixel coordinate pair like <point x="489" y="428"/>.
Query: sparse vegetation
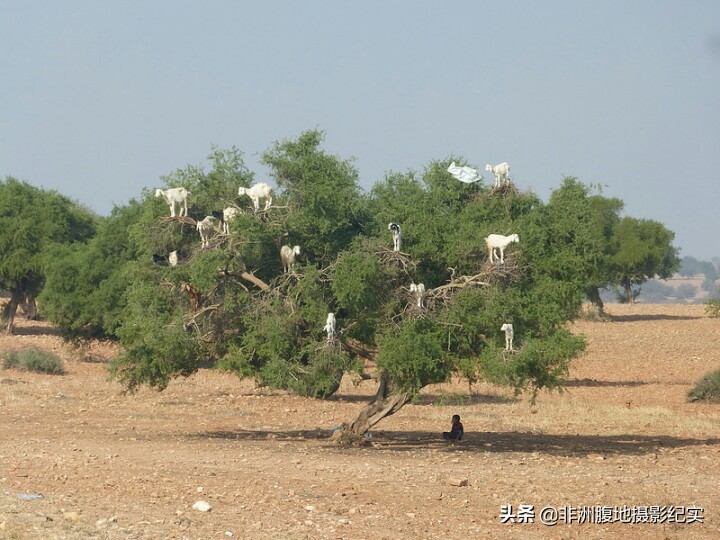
<point x="707" y="389"/>
<point x="712" y="307"/>
<point x="34" y="359"/>
<point x="458" y="399"/>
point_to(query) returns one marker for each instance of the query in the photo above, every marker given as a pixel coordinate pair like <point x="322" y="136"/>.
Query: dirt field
<point x="111" y="466"/>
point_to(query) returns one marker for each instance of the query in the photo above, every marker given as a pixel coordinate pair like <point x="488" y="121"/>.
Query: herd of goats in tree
<point x="496" y="243"/>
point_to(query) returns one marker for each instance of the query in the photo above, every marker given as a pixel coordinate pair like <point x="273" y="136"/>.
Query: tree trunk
<point x="10" y="309"/>
<point x="29" y="307"/>
<point x="595" y="299"/>
<point x="387" y="401"/>
<point x="629" y="298"/>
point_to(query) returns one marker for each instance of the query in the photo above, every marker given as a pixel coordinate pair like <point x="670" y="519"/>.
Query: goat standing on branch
<point x="396" y="235"/>
<point x="419" y="290"/>
<point x="225" y="217"/>
<point x="330" y="326"/>
<point x="205" y="227"/>
<point x="288" y="256"/>
<point x="501" y="172"/>
<point x="257" y="192"/>
<point x="174" y="195"/>
<point x="499" y="242"/>
<point x="509" y="334"/>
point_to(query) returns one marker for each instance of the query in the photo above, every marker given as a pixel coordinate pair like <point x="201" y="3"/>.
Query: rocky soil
<point x="79" y="459"/>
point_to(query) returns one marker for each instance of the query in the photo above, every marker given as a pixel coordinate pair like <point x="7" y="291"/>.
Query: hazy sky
<point x="98" y="99"/>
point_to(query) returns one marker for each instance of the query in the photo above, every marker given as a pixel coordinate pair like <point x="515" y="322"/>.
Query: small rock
<point x="458" y="482"/>
<point x="202" y="506"/>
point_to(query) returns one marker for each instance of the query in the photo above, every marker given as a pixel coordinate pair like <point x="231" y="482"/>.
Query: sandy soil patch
<point x="114" y="466"/>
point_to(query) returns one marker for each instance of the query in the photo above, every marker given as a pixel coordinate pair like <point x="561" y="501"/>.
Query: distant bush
<point x="707" y="388"/>
<point x="712" y="307"/>
<point x="34" y="360"/>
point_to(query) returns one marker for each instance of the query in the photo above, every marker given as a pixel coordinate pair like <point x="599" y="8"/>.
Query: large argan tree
<point x="231" y="305"/>
<point x="31" y="221"/>
<point x="272" y="329"/>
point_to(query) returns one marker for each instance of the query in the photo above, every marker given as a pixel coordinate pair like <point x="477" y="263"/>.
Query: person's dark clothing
<point x="456" y="432"/>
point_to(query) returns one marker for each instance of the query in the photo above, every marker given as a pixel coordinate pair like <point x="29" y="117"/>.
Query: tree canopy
<point x="32" y="221"/>
<point x="231" y="305"/>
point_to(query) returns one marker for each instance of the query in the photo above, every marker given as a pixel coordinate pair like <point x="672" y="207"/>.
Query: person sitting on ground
<point x="456" y="431"/>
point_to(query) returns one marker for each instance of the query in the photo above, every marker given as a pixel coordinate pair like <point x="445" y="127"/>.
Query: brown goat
<point x="194" y="296"/>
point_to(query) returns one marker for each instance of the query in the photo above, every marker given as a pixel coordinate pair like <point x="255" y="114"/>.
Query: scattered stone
<point x="458" y="482"/>
<point x="202" y="506"/>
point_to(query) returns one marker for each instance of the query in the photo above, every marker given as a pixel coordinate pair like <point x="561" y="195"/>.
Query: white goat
<point x="205" y="227"/>
<point x="465" y="174"/>
<point x="501" y="172"/>
<point x="498" y="241"/>
<point x="257" y="192"/>
<point x="509" y="334"/>
<point x="330" y="326"/>
<point x="174" y="195"/>
<point x="419" y="291"/>
<point x="288" y="255"/>
<point x="226" y="216"/>
<point x="396" y="234"/>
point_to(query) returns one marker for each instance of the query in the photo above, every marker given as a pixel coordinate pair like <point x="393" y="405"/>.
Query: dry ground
<point x="112" y="466"/>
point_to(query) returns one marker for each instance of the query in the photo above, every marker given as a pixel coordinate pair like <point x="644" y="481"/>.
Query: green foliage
<point x="213" y="190"/>
<point x="283" y="344"/>
<point x="327" y="209"/>
<point x="86" y="283"/>
<point x="712" y="307"/>
<point x="642" y="250"/>
<point x="414" y="354"/>
<point x="34" y="359"/>
<point x="31" y="220"/>
<point x="256" y="321"/>
<point x="367" y="289"/>
<point x="706" y="389"/>
<point x="157" y="343"/>
<point x="455" y="399"/>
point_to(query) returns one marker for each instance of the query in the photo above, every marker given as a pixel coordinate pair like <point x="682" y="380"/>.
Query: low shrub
<point x="707" y="388"/>
<point x="712" y="307"/>
<point x="34" y="359"/>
